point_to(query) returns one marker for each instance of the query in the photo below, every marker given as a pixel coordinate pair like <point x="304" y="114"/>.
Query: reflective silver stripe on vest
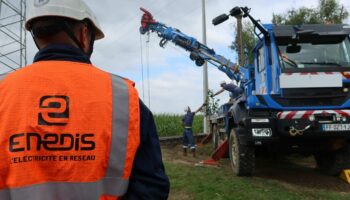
<point x="120" y="126"/>
<point x="67" y="191"/>
<point x="112" y="184"/>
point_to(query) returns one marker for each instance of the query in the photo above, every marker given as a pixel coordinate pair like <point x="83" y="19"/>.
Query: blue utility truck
<point x="296" y="91"/>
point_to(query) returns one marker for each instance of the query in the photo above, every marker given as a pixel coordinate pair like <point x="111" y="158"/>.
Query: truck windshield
<point x="316" y="55"/>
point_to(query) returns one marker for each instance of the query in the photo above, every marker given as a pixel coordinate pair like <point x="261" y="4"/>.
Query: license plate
<point x="336" y="127"/>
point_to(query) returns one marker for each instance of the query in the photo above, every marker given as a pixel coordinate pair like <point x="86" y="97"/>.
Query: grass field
<point x="171" y="124"/>
<point x="189" y="182"/>
<point x="275" y="180"/>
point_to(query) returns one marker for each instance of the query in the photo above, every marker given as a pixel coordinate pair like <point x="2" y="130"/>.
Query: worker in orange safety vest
<point x="69" y="130"/>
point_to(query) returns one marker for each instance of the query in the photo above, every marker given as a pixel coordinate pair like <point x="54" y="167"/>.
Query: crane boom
<point x="199" y="52"/>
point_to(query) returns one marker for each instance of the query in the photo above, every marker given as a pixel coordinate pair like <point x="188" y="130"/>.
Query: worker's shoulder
<point x="114" y="76"/>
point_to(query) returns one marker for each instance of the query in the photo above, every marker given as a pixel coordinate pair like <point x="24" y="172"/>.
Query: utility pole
<point x="205" y="68"/>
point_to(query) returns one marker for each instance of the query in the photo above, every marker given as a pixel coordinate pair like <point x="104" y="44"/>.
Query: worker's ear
<point x="84" y="36"/>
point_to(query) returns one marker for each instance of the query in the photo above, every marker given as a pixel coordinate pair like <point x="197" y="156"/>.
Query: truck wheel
<point x="242" y="156"/>
<point x="332" y="163"/>
<point x="215" y="136"/>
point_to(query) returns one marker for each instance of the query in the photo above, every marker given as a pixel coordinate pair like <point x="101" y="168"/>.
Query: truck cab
<point x="301" y="68"/>
<point x="296" y="97"/>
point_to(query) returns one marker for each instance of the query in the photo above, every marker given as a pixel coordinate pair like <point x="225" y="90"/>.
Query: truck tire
<point x="242" y="156"/>
<point x="215" y="136"/>
<point x="333" y="162"/>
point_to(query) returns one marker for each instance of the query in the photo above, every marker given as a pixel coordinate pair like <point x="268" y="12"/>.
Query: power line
<point x="148" y="81"/>
<point x="143" y="83"/>
<point x="147" y="61"/>
<point x="148" y="53"/>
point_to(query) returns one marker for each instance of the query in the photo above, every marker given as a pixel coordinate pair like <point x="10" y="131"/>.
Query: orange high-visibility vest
<point x="68" y="131"/>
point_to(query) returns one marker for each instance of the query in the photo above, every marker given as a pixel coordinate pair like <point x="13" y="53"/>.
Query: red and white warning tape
<point x="305" y="114"/>
<point x="346" y="75"/>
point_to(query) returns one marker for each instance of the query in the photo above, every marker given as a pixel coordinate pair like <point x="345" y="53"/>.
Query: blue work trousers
<point x="227" y="124"/>
<point x="188" y="140"/>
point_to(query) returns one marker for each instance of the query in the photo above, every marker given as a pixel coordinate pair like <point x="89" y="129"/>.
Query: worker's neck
<point x="59" y="38"/>
<point x="57" y="42"/>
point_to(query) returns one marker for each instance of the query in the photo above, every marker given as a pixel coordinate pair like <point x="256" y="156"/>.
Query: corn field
<point x="171" y="124"/>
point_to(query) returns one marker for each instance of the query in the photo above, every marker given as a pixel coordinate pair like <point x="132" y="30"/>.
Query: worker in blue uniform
<point x="187" y="122"/>
<point x="235" y="92"/>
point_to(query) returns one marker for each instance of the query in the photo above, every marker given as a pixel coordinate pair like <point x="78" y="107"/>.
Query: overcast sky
<point x="174" y="80"/>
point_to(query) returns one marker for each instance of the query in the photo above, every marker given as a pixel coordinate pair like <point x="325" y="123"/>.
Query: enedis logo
<point x="51" y="142"/>
<point x="53" y="111"/>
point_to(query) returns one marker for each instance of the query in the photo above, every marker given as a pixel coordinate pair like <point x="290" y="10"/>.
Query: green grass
<point x="171" y="124"/>
<point x="198" y="183"/>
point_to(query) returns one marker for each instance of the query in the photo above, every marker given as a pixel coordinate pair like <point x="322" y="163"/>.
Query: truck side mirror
<point x="293" y="49"/>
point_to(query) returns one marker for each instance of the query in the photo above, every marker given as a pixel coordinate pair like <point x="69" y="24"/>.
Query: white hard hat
<point x="73" y="9"/>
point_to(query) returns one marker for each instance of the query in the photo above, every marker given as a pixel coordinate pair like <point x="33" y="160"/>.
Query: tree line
<point x="327" y="12"/>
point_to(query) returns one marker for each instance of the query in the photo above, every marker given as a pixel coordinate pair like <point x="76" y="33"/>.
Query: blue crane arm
<point x="199" y="52"/>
